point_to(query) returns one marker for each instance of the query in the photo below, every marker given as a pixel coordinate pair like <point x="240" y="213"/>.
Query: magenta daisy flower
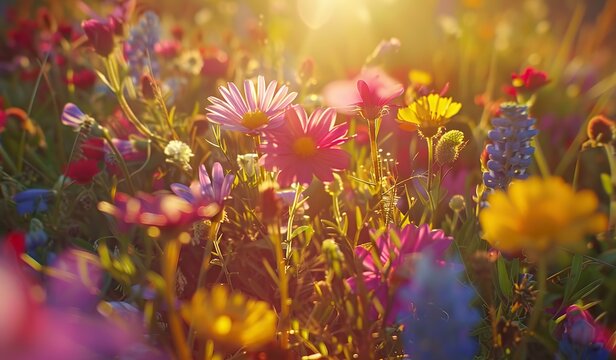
<point x="259" y="109"/>
<point x="306" y="146"/>
<point x="165" y="211"/>
<point x="385" y="263"/>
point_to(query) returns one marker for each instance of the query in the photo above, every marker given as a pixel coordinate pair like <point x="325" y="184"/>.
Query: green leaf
<point x="587" y="290"/>
<point x="103" y="78"/>
<point x="300" y="230"/>
<point x="515" y="270"/>
<point x="606" y="182"/>
<point x="574" y="275"/>
<point x="504" y="282"/>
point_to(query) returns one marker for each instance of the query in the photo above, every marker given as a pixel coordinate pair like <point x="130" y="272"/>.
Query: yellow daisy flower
<point x="535" y="214"/>
<point x="428" y="114"/>
<point x="231" y="319"/>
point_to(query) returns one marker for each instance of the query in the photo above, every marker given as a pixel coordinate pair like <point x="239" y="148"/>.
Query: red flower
<point x="65" y="30"/>
<point x="2" y="120"/>
<point x="82" y="171"/>
<point x="529" y="80"/>
<point x="82" y="79"/>
<point x="16" y="242"/>
<point x="372" y="102"/>
<point x="215" y="63"/>
<point x="21" y="39"/>
<point x="100" y="35"/>
<point x="93" y="149"/>
<point x="168" y="49"/>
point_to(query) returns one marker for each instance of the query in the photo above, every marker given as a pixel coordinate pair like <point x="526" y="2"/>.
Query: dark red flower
<point x="2" y="120"/>
<point x="82" y="79"/>
<point x="100" y="35"/>
<point x="177" y="32"/>
<point x="529" y="80"/>
<point x="16" y="242"/>
<point x="82" y="171"/>
<point x="147" y="87"/>
<point x="22" y="38"/>
<point x="93" y="149"/>
<point x="44" y="18"/>
<point x="65" y="30"/>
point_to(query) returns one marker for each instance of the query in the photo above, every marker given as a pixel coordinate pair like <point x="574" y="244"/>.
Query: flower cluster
<point x="510" y="151"/>
<point x="227" y="179"/>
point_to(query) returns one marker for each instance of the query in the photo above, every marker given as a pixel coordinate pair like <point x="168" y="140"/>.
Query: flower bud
<point x="147" y="87"/>
<point x="100" y="35"/>
<point x="333" y="256"/>
<point x="457" y="203"/>
<point x="601" y="129"/>
<point x="271" y="205"/>
<point x="449" y="146"/>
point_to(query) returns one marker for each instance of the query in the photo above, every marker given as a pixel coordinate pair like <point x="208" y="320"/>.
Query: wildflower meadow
<point x="307" y="179"/>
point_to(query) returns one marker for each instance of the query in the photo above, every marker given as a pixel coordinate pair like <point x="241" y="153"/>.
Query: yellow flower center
<point x="304" y="147"/>
<point x="222" y="325"/>
<point x="254" y="120"/>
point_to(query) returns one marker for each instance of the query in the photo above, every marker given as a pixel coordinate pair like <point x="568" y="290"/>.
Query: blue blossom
<point x="35" y="239"/>
<point x="439" y="319"/>
<point x="32" y="200"/>
<point x="139" y="47"/>
<point x="510" y="152"/>
<point x="571" y="350"/>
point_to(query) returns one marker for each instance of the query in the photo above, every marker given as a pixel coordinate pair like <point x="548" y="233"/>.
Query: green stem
<point x="374" y="151"/>
<point x="274" y="232"/>
<point x="611" y="157"/>
<point x="431" y="201"/>
<point x="170" y="262"/>
<point x="542" y="164"/>
<point x="260" y="173"/>
<point x="292" y="211"/>
<point x="377" y="174"/>
<point x="538" y="308"/>
<point x="222" y="261"/>
<point x="205" y="262"/>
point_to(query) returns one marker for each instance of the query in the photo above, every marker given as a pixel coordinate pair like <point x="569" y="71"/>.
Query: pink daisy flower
<point x="306" y="146"/>
<point x="395" y="249"/>
<point x="258" y="110"/>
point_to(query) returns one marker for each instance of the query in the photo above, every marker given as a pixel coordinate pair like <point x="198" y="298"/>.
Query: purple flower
<point x="385" y="264"/>
<point x="207" y="190"/>
<point x="63" y="323"/>
<point x="73" y="116"/>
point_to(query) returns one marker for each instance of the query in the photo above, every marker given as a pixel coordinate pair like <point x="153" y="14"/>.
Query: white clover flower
<point x="179" y="153"/>
<point x="248" y="163"/>
<point x="190" y="62"/>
